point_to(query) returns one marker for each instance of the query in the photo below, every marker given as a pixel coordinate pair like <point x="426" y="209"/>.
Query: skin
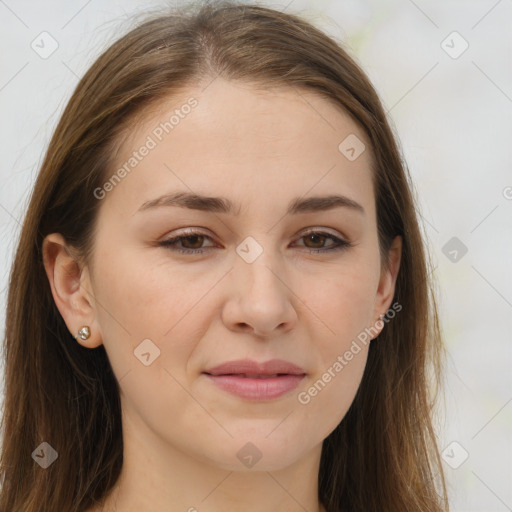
<point x="181" y="433"/>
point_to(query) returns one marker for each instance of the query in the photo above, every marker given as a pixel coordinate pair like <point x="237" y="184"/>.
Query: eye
<point x="190" y="238"/>
<point x="192" y="242"/>
<point x="318" y="238"/>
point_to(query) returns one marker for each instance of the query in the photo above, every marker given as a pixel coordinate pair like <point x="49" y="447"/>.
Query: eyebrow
<point x="224" y="205"/>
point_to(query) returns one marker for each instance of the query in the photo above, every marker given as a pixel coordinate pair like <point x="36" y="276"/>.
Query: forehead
<point x="233" y="139"/>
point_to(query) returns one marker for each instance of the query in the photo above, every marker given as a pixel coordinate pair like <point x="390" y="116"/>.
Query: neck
<point x="159" y="477"/>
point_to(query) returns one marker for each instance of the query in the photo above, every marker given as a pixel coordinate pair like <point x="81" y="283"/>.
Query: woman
<point x="219" y="299"/>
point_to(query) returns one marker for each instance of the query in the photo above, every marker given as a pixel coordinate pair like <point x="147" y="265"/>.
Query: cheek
<point x="342" y="307"/>
<point x="168" y="307"/>
<point x="137" y="301"/>
<point x="341" y="302"/>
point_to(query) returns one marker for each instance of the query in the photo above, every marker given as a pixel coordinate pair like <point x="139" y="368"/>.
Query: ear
<point x="387" y="282"/>
<point x="71" y="288"/>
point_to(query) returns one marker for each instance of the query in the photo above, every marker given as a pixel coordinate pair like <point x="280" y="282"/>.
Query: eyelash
<point x="171" y="242"/>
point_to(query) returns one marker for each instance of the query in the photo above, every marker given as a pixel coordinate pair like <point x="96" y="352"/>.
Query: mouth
<point x="255" y="369"/>
<point x="256" y="381"/>
<point x="256" y="388"/>
<point x="248" y="375"/>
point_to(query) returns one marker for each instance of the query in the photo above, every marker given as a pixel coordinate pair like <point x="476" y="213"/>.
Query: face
<point x="259" y="282"/>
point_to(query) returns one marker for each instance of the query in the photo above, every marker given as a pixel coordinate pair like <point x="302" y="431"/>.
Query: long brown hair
<point x="383" y="455"/>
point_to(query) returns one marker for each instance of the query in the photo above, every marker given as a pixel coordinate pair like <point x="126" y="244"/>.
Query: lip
<point x="256" y="381"/>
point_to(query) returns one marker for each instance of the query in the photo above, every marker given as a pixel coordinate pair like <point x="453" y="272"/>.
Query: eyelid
<point x="191" y="231"/>
<point x="320" y="229"/>
<point x="188" y="232"/>
<point x="340" y="241"/>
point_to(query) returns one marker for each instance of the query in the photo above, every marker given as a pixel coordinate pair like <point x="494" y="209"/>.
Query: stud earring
<point x="83" y="333"/>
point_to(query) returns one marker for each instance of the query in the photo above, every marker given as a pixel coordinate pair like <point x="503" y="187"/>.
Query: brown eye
<point x="196" y="241"/>
<point x="191" y="243"/>
<point x="315" y="241"/>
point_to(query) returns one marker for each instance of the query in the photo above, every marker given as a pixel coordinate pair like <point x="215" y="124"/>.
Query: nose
<point x="260" y="301"/>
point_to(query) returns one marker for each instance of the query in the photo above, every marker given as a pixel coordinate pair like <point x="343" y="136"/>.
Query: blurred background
<point x="443" y="71"/>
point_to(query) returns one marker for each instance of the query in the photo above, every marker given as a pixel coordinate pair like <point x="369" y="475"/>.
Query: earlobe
<point x="71" y="294"/>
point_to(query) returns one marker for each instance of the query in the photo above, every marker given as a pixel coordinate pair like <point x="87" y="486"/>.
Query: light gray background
<point x="453" y="117"/>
